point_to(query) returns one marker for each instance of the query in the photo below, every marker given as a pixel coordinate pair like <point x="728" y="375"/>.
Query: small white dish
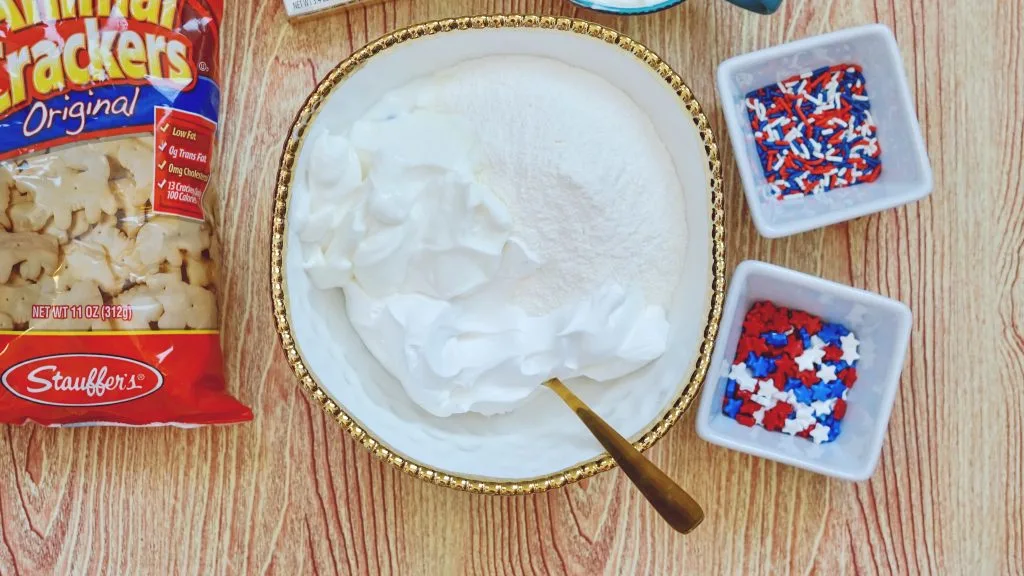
<point x="906" y="173"/>
<point x="883" y="327"/>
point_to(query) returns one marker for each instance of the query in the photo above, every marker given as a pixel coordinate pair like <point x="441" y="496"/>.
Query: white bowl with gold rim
<point x="540" y="445"/>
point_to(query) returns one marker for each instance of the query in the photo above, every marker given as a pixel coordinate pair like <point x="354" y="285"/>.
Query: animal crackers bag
<point x="108" y="284"/>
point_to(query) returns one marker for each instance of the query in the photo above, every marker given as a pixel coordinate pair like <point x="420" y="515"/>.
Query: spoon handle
<point x="677" y="507"/>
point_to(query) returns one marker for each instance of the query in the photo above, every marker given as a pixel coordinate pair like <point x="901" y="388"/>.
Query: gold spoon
<point x="677" y="507"/>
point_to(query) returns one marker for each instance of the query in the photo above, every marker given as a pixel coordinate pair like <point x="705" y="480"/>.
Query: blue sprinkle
<point x="836" y="389"/>
<point x="820" y="391"/>
<point x="805" y="337"/>
<point x="802" y="394"/>
<point x="826" y="419"/>
<point x="775" y="339"/>
<point x="832" y="332"/>
<point x="760" y="366"/>
<point x="732" y="407"/>
<point x="834" y="429"/>
<point x="792" y="384"/>
<point x="730" y="388"/>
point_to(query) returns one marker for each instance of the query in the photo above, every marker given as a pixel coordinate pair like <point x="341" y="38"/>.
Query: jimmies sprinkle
<point x="792" y="373"/>
<point x="814" y="132"/>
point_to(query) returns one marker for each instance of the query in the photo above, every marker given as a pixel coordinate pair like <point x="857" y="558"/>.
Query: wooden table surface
<point x="291" y="494"/>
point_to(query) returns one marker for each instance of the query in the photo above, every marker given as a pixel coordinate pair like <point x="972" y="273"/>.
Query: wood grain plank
<point x="291" y="494"/>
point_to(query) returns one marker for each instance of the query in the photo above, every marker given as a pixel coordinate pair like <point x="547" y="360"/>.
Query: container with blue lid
<point x="648" y="6"/>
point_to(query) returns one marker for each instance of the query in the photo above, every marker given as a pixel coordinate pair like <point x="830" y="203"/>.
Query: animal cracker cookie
<point x="34" y="254"/>
<point x="108" y="283"/>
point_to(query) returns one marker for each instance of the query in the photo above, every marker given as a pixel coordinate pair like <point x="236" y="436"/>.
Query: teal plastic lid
<point x="646" y="7"/>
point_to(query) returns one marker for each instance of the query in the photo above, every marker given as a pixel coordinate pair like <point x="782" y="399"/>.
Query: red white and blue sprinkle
<point x="792" y="373"/>
<point x="814" y="132"/>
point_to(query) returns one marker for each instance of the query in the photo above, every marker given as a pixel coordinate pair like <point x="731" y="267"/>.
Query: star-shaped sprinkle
<point x="809" y="358"/>
<point x="833" y="354"/>
<point x="850" y="344"/>
<point x="803" y="395"/>
<point x="750" y="345"/>
<point x="786" y="366"/>
<point x="765" y="395"/>
<point x="820" y="391"/>
<point x="820" y="433"/>
<point x="732" y="407"/>
<point x="775" y="339"/>
<point x="742" y="376"/>
<point x="759" y="416"/>
<point x="795" y="346"/>
<point x="837" y="389"/>
<point x="822" y="407"/>
<point x="793" y="426"/>
<point x="832" y="332"/>
<point x="805" y="321"/>
<point x="760" y="366"/>
<point x="827" y="373"/>
<point x="817" y="343"/>
<point x="848" y="376"/>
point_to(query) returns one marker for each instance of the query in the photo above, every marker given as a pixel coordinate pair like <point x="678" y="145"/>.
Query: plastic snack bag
<point x="108" y="284"/>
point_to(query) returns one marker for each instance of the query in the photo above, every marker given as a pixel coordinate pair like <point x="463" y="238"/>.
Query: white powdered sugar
<point x="589" y="184"/>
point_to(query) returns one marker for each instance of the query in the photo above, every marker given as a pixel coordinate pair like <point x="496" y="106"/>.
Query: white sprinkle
<point x="819" y="155"/>
<point x="841" y="172"/>
<point x="779" y="162"/>
<point x="832" y="158"/>
<point x="827" y="131"/>
<point x="806" y="75"/>
<point x="859" y="97"/>
<point x="792" y="135"/>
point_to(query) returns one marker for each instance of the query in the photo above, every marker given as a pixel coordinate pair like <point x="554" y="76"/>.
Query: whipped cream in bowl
<point x="472" y="213"/>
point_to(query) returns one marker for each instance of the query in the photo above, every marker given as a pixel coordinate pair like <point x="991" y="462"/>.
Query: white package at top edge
<point x="299" y="8"/>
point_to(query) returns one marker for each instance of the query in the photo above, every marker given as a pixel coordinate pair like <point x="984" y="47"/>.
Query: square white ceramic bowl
<point x="883" y="327"/>
<point x="906" y="174"/>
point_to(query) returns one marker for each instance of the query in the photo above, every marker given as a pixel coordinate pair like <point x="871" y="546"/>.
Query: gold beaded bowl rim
<point x="285" y="175"/>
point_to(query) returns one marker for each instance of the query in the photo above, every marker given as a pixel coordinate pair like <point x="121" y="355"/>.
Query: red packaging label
<point x="184" y="155"/>
<point x="130" y="378"/>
